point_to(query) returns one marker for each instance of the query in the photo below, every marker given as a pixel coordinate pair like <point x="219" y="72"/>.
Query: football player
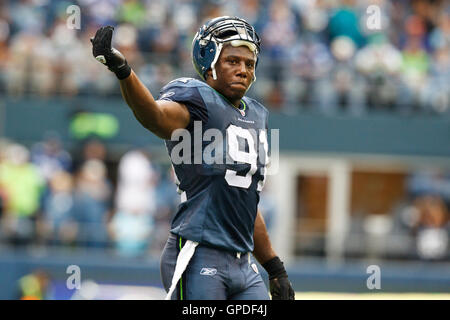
<point x="218" y="230"/>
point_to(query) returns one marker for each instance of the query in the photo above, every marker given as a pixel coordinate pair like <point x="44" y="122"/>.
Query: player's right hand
<point x="109" y="56"/>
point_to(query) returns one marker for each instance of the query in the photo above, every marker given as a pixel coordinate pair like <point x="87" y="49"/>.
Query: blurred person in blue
<point x="91" y="204"/>
<point x="56" y="225"/>
<point x="218" y="229"/>
<point x="278" y="35"/>
<point x="50" y="157"/>
<point x="311" y="65"/>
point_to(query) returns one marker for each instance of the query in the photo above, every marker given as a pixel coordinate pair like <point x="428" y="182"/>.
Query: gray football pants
<point x="212" y="274"/>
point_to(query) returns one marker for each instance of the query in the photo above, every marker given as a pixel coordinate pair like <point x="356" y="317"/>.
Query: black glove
<point x="280" y="286"/>
<point x="111" y="57"/>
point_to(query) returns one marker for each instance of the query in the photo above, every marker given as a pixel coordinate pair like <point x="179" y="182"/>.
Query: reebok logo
<point x="208" y="271"/>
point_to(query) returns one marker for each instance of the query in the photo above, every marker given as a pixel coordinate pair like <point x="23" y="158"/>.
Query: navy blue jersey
<point x="222" y="166"/>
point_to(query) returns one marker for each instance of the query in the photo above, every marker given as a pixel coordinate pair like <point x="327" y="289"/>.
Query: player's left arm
<point x="280" y="286"/>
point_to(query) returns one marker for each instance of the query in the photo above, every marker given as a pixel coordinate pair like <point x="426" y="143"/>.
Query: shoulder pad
<point x="185" y="82"/>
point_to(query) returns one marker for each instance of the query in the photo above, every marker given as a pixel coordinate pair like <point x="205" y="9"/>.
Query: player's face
<point x="235" y="70"/>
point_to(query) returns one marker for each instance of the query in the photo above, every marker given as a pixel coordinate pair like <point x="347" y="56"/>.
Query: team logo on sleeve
<point x="167" y="95"/>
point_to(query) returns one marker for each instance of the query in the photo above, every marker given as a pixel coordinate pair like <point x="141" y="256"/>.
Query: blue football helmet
<point x="209" y="40"/>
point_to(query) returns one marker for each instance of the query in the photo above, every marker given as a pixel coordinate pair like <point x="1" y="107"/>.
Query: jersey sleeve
<point x="179" y="91"/>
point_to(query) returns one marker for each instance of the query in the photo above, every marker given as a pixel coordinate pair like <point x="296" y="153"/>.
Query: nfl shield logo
<point x="242" y="112"/>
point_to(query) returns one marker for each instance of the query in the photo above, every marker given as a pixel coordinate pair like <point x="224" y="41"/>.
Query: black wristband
<point x="275" y="268"/>
<point x="123" y="71"/>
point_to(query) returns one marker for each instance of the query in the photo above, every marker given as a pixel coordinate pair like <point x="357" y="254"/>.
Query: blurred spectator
<point x="40" y="55"/>
<point x="415" y="63"/>
<point x="380" y="64"/>
<point x="50" y="157"/>
<point x="132" y="11"/>
<point x="277" y="36"/>
<point x="437" y="90"/>
<point x="91" y="204"/>
<point x="22" y="187"/>
<point x="311" y="62"/>
<point x="132" y="223"/>
<point x="430" y="182"/>
<point x="90" y="149"/>
<point x="314" y="53"/>
<point x="56" y="224"/>
<point x="346" y="88"/>
<point x="345" y="22"/>
<point x="432" y="228"/>
<point x="94" y="150"/>
<point x="427" y="217"/>
<point x="35" y="286"/>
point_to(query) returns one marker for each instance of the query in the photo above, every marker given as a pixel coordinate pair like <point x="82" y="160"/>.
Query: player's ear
<point x="208" y="74"/>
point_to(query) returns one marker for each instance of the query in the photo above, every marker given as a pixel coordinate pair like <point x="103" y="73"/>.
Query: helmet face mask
<point x="209" y="41"/>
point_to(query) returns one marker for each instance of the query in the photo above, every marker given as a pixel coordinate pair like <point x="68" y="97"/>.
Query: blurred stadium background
<point x="364" y="119"/>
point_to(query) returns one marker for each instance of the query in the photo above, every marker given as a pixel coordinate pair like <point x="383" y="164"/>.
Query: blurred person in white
<point x="29" y="68"/>
<point x="345" y="90"/>
<point x="135" y="204"/>
<point x="91" y="204"/>
<point x="432" y="228"/>
<point x="380" y="63"/>
<point x="67" y="54"/>
<point x="127" y="43"/>
<point x="22" y="187"/>
<point x="56" y="225"/>
<point x="427" y="216"/>
<point x="30" y="65"/>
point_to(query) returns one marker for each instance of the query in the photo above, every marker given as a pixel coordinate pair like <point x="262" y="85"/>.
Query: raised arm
<point x="280" y="286"/>
<point x="160" y="117"/>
